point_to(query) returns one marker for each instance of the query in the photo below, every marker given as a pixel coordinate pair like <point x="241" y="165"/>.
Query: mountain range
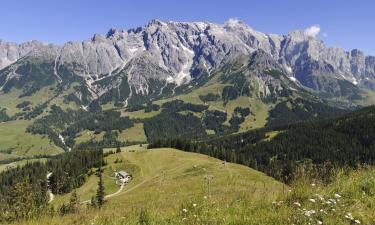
<point x="160" y="58"/>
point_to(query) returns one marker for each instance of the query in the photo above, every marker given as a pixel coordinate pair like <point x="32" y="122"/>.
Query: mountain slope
<point x="169" y="181"/>
<point x="169" y="54"/>
<point x="230" y="78"/>
<point x="283" y="151"/>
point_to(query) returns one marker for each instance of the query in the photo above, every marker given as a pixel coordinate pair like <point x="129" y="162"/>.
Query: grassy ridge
<point x="164" y="181"/>
<point x="240" y="195"/>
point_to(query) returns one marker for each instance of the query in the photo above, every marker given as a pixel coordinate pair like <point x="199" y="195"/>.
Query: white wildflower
<point x="357" y="221"/>
<point x="194" y="205"/>
<point x="297" y="204"/>
<point x="349" y="216"/>
<point x="312" y="200"/>
<point x="184" y="210"/>
<point x="205" y="197"/>
<point x="332" y="200"/>
<point x="313" y="185"/>
<point x="319" y="222"/>
<point x="309" y="213"/>
<point x="337" y="196"/>
<point x="320" y="197"/>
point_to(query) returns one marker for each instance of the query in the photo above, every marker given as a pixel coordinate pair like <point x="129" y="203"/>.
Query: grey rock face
<point x="170" y="51"/>
<point x="11" y="52"/>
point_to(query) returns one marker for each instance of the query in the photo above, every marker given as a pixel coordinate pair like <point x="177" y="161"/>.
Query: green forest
<point x="316" y="145"/>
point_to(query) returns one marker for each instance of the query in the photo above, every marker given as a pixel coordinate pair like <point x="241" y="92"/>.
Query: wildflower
<point x="205" y="197"/>
<point x="312" y="200"/>
<point x="274" y="203"/>
<point x="309" y="213"/>
<point x="319" y="222"/>
<point x="194" y="205"/>
<point x="184" y="210"/>
<point x="349" y="216"/>
<point x="357" y="221"/>
<point x="320" y="197"/>
<point x="337" y="196"/>
<point x="297" y="204"/>
<point x="332" y="200"/>
<point x="313" y="185"/>
<point x="321" y="210"/>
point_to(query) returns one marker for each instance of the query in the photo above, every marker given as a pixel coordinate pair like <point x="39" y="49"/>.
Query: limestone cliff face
<point x="172" y="52"/>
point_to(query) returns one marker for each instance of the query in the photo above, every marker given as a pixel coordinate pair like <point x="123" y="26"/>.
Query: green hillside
<point x="164" y="180"/>
<point x="169" y="188"/>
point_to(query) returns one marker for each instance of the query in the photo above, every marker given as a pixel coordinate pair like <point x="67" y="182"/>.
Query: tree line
<point x="23" y="190"/>
<point x="345" y="141"/>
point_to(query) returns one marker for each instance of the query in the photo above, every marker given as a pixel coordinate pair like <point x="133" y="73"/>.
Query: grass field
<point x="13" y="136"/>
<point x="22" y="163"/>
<point x="5" y="156"/>
<point x="169" y="187"/>
<point x="88" y="135"/>
<point x="133" y="134"/>
<point x="140" y="114"/>
<point x="11" y="99"/>
<point x="165" y="180"/>
<point x="258" y="108"/>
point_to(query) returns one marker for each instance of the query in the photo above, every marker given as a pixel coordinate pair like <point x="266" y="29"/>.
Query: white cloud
<point x="312" y="31"/>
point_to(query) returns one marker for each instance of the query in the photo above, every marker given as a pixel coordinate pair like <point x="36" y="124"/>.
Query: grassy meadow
<point x="171" y="189"/>
<point x="13" y="136"/>
<point x="166" y="181"/>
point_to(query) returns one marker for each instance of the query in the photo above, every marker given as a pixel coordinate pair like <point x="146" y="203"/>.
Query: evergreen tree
<point x="100" y="192"/>
<point x="74" y="202"/>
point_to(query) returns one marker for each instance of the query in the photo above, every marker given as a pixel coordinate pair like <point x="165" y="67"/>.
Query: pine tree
<point x="73" y="202"/>
<point x="100" y="192"/>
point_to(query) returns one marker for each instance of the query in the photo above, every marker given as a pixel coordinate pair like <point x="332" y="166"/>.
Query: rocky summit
<point x="170" y="54"/>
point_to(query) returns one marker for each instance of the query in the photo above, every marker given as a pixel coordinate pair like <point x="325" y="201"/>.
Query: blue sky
<point x="348" y="24"/>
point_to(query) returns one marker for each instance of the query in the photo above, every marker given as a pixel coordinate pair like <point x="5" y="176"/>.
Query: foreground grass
<point x="166" y="181"/>
<point x="169" y="188"/>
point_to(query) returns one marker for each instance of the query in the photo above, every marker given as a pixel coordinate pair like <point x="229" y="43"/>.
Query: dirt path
<point x="50" y="194"/>
<point x="116" y="193"/>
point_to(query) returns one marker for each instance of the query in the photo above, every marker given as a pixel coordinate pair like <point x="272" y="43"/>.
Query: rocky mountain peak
<point x="179" y="48"/>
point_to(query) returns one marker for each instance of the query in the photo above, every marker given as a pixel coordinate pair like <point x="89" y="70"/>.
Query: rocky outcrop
<point x="172" y="51"/>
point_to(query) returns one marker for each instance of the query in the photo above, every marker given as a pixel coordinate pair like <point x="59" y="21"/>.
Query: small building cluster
<point x="123" y="177"/>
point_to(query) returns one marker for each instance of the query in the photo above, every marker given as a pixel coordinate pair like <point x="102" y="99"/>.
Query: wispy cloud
<point x="312" y="31"/>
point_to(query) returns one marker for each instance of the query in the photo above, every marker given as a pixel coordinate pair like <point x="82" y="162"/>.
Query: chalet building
<point x="123" y="176"/>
